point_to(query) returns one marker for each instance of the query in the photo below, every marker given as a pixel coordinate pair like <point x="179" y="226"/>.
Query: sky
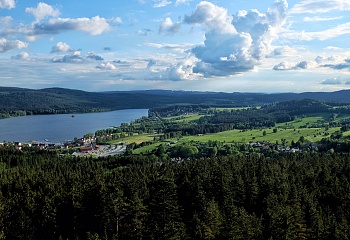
<point x="222" y="46"/>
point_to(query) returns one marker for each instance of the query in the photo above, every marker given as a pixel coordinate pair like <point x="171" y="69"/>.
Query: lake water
<point x="63" y="127"/>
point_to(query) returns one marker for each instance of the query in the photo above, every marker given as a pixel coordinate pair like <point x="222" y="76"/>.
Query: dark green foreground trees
<point x="286" y="196"/>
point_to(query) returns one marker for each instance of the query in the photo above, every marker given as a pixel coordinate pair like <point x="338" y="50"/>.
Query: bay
<point x="63" y="127"/>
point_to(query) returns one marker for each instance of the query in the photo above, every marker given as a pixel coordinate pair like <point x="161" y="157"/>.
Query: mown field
<point x="287" y="132"/>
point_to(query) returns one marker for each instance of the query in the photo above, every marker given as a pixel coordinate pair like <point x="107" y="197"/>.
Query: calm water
<point x="63" y="127"/>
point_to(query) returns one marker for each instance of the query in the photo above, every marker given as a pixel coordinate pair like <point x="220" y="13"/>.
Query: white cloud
<point x="161" y="3"/>
<point x="235" y="44"/>
<point x="6" y="28"/>
<point x="6" y="45"/>
<point x="22" y="56"/>
<point x="282" y="66"/>
<point x="337" y="31"/>
<point x="60" y="47"/>
<point x="283" y="51"/>
<point x="93" y="26"/>
<point x="320" y="6"/>
<point x="7" y="4"/>
<point x="181" y="48"/>
<point x="116" y="20"/>
<point x="323" y="59"/>
<point x="184" y="70"/>
<point x="74" y="57"/>
<point x="285" y="66"/>
<point x="169" y="27"/>
<point x="214" y="17"/>
<point x="178" y="2"/>
<point x="320" y="19"/>
<point x="106" y="66"/>
<point x="177" y="72"/>
<point x="42" y="11"/>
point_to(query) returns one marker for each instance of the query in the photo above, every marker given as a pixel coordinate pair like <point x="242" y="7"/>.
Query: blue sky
<point x="227" y="45"/>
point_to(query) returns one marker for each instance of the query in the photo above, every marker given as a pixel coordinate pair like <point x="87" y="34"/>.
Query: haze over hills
<point x="61" y="100"/>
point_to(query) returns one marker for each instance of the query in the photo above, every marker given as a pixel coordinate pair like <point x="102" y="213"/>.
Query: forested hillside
<point x="278" y="196"/>
<point x="19" y="101"/>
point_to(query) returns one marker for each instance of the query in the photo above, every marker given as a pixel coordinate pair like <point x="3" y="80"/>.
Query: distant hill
<point x="61" y="100"/>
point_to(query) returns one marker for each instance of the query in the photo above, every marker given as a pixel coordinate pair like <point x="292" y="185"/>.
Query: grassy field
<point x="288" y="132"/>
<point x="145" y="149"/>
<point x="185" y="118"/>
<point x="311" y="134"/>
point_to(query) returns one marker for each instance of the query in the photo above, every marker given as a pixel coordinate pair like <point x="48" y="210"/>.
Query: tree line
<point x="279" y="196"/>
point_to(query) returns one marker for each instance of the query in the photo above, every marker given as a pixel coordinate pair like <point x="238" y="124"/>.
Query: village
<point x="85" y="146"/>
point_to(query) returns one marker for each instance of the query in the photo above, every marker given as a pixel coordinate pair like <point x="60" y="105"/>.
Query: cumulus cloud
<point x="93" y="26"/>
<point x="214" y="17"/>
<point x="235" y="44"/>
<point x="106" y="66"/>
<point x="6" y="45"/>
<point x="42" y="11"/>
<point x="178" y="72"/>
<point x="332" y="81"/>
<point x="60" y="47"/>
<point x="320" y="6"/>
<point x="282" y="66"/>
<point x="7" y="4"/>
<point x="94" y="57"/>
<point x="169" y="27"/>
<point x="74" y="57"/>
<point x="24" y="56"/>
<point x="285" y="66"/>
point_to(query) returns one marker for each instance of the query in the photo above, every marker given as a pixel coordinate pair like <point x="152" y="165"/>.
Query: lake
<point x="63" y="127"/>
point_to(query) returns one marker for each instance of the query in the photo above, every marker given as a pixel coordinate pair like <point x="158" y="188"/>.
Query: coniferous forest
<point x="302" y="195"/>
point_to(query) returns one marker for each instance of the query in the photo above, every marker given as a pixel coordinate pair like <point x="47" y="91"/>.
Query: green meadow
<point x="282" y="132"/>
<point x="185" y="118"/>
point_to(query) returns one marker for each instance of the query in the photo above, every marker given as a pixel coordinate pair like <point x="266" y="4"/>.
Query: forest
<point x="276" y="196"/>
<point x="22" y="101"/>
